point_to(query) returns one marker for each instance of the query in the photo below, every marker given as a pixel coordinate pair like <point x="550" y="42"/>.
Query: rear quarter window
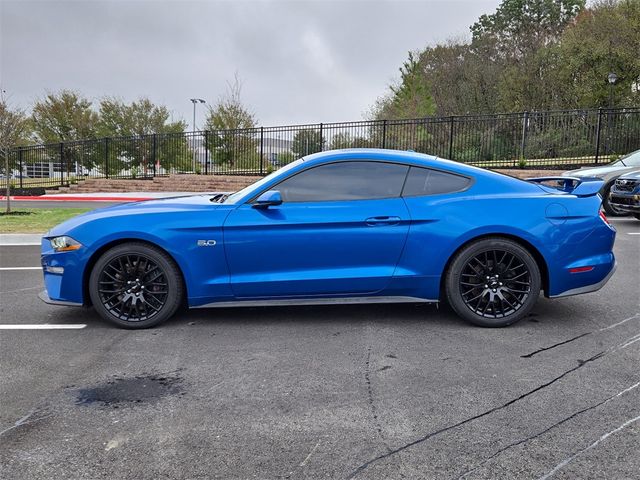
<point x="424" y="181"/>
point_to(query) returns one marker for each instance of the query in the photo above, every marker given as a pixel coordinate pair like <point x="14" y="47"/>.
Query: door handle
<point x="382" y="220"/>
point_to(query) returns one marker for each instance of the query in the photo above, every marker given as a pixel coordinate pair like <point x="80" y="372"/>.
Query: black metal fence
<point x="549" y="139"/>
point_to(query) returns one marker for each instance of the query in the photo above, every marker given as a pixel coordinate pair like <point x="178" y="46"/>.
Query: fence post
<point x="106" y="157"/>
<point x="321" y="142"/>
<point x="206" y="152"/>
<point x="598" y="127"/>
<point x="19" y="165"/>
<point x="61" y="164"/>
<point x="384" y="134"/>
<point x="261" y="150"/>
<point x="155" y="152"/>
<point x="451" y="120"/>
<point x="523" y="140"/>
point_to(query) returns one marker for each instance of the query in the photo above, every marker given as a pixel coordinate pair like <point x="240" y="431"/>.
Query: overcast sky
<point x="300" y="61"/>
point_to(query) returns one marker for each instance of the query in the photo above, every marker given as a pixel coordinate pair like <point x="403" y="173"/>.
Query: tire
<point x="637" y="215"/>
<point x="609" y="209"/>
<point x="153" y="294"/>
<point x="487" y="263"/>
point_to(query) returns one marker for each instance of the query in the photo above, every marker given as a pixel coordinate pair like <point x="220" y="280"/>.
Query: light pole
<point x="612" y="78"/>
<point x="195" y="102"/>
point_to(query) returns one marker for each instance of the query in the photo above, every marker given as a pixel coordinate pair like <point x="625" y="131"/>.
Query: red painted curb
<point x="63" y="198"/>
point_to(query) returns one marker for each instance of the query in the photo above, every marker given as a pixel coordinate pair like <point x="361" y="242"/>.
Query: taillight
<point x="604" y="217"/>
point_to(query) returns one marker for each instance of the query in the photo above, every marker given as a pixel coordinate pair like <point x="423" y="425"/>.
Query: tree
<point x="142" y="119"/>
<point x="411" y="97"/>
<point x="462" y="79"/>
<point x="63" y="116"/>
<point x="509" y="65"/>
<point x="521" y="27"/>
<point x="306" y="142"/>
<point x="518" y="32"/>
<point x="13" y="126"/>
<point x="344" y="140"/>
<point x="230" y="123"/>
<point x="605" y="38"/>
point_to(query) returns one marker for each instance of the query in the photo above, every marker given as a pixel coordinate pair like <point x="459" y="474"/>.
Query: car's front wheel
<point x="493" y="282"/>
<point x="135" y="285"/>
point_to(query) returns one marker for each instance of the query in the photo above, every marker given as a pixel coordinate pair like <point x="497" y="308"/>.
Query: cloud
<point x="300" y="61"/>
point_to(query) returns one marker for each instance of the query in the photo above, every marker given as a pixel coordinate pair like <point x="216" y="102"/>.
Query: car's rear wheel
<point x="637" y="215"/>
<point x="493" y="282"/>
<point x="610" y="209"/>
<point x="135" y="285"/>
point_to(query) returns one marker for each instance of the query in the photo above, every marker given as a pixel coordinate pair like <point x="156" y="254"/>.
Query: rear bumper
<point x="587" y="288"/>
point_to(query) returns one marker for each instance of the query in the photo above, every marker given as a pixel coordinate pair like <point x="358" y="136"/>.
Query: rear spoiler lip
<point x="579" y="186"/>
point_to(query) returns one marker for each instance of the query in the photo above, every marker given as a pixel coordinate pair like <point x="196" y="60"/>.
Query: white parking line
<point x="19" y="268"/>
<point x="43" y="326"/>
<point x="633" y="233"/>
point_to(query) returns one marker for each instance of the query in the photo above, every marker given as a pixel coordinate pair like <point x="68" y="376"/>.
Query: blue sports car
<point x="345" y="226"/>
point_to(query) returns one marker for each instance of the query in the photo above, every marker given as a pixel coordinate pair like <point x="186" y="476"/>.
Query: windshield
<point x="256" y="186"/>
<point x="630" y="160"/>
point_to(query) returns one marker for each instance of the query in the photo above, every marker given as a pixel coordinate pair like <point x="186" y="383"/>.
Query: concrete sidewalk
<point x="104" y="196"/>
<point x="20" y="239"/>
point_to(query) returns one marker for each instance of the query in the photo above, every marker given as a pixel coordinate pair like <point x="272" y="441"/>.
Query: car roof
<point x="400" y="156"/>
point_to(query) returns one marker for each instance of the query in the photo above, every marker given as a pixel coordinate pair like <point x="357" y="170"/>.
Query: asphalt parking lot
<point x="392" y="391"/>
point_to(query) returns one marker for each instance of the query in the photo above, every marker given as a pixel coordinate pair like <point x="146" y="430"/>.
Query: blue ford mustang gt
<point x="359" y="226"/>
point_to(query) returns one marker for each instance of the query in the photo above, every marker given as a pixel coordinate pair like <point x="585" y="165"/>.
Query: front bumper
<point x="44" y="296"/>
<point x="63" y="275"/>
<point x="627" y="202"/>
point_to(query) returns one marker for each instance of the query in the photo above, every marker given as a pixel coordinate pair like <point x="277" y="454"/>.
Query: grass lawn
<point x="35" y="220"/>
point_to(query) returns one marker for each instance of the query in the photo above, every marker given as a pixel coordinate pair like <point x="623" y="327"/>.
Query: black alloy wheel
<point x="135" y="285"/>
<point x="493" y="282"/>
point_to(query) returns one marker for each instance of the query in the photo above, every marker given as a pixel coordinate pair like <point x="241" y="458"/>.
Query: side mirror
<point x="267" y="199"/>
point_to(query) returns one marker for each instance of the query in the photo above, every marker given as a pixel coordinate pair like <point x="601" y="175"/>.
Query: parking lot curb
<point x="20" y="239"/>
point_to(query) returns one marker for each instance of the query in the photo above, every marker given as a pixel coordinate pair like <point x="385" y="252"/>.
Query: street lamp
<point x="612" y="78"/>
<point x="195" y="101"/>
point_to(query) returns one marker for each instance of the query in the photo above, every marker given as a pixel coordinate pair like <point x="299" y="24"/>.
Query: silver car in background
<point x="609" y="173"/>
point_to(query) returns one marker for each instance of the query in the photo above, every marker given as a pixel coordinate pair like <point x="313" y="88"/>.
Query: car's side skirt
<point x="316" y="301"/>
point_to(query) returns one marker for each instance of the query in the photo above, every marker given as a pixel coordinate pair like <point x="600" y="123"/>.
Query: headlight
<point x="64" y="244"/>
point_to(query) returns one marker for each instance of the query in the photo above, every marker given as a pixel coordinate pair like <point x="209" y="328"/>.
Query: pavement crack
<point x="529" y="355"/>
<point x="567" y="460"/>
<point x="25" y="421"/>
<point x="542" y="432"/>
<point x="435" y="433"/>
<point x="372" y="404"/>
<point x="603" y="329"/>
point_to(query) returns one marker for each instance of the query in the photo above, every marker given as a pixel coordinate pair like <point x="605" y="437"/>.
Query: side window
<point x="424" y="181"/>
<point x="345" y="181"/>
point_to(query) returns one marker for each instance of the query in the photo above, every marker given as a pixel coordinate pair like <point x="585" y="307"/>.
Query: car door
<point x="340" y="230"/>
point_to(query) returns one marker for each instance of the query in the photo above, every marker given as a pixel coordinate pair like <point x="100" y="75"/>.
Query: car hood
<point x="631" y="176"/>
<point x="595" y="171"/>
<point x="172" y="205"/>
